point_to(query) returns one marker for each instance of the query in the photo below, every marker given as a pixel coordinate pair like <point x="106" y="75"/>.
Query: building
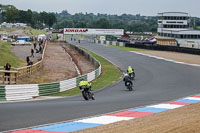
<point x="174" y="28"/>
<point x="12" y="25"/>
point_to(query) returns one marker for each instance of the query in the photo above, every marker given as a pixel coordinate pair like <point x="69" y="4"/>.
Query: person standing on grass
<point x="7" y="74"/>
<point x="27" y="60"/>
<point x="32" y="53"/>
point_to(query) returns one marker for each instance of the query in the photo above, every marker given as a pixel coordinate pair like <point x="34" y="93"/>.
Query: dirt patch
<point x="181" y="120"/>
<point x="82" y="63"/>
<point x="57" y="65"/>
<point x="182" y="57"/>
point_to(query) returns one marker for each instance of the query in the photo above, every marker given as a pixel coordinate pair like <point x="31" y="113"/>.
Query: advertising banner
<point x="93" y="31"/>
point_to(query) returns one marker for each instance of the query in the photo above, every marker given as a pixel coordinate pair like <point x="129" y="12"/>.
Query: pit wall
<point x="29" y="91"/>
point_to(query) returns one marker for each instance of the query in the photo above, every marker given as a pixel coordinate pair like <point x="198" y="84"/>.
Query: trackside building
<point x="175" y="28"/>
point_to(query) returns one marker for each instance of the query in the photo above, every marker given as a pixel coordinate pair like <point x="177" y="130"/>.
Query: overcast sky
<point x="144" y="7"/>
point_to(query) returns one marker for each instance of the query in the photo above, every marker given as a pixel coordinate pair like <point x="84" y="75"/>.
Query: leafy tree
<point x="51" y="19"/>
<point x="103" y="23"/>
<point x="12" y="15"/>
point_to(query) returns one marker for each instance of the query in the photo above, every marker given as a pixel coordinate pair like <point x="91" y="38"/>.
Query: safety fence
<point x="105" y="42"/>
<point x="29" y="91"/>
<point x="10" y="77"/>
<point x="151" y="47"/>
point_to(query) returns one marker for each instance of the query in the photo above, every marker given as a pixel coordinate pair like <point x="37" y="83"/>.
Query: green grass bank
<point x="7" y="56"/>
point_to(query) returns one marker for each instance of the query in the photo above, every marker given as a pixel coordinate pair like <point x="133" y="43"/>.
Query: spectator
<point x="37" y="51"/>
<point x="32" y="53"/>
<point x="27" y="60"/>
<point x="34" y="45"/>
<point x="40" y="49"/>
<point x="40" y="43"/>
<point x="7" y="74"/>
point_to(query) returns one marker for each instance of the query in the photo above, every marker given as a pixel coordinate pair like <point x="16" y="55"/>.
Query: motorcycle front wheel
<point x="85" y="95"/>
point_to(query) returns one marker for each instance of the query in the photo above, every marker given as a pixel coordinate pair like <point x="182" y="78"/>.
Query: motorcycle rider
<point x="130" y="71"/>
<point x="127" y="79"/>
<point x="85" y="83"/>
<point x="86" y="90"/>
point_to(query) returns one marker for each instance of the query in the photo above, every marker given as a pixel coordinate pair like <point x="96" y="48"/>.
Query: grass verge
<point x="7" y="56"/>
<point x="33" y="32"/>
<point x="139" y="36"/>
<point x="8" y="29"/>
<point x="127" y="48"/>
<point x="109" y="75"/>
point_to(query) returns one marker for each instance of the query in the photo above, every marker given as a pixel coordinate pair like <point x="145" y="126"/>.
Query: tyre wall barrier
<point x="29" y="91"/>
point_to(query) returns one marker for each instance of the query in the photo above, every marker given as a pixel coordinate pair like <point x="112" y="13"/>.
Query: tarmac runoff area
<point x="123" y="121"/>
<point x="105" y="123"/>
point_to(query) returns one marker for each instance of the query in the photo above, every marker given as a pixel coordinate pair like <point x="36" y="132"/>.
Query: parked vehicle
<point x="21" y="42"/>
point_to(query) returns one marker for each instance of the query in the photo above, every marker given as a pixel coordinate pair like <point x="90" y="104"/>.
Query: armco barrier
<point x="46" y="89"/>
<point x="28" y="91"/>
<point x="67" y="84"/>
<point x="2" y="93"/>
<point x="20" y="92"/>
<point x="91" y="76"/>
<point x="158" y="47"/>
<point x="166" y="48"/>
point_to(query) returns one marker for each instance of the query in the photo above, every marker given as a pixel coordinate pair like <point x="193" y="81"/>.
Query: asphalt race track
<point x="156" y="81"/>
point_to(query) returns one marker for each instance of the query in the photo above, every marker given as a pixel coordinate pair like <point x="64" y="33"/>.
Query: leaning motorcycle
<point x="86" y="92"/>
<point x="132" y="76"/>
<point x="129" y="86"/>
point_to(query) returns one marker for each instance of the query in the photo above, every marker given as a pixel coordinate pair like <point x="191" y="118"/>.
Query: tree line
<point x="128" y="22"/>
<point x="11" y="14"/>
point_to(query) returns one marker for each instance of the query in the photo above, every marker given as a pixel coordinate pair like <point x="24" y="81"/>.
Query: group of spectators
<point x="35" y="51"/>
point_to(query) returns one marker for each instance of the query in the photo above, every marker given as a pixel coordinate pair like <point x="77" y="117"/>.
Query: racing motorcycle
<point x="129" y="86"/>
<point x="86" y="92"/>
<point x="132" y="76"/>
